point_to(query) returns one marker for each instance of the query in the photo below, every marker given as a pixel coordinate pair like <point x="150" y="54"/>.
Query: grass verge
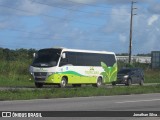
<point x="75" y="92"/>
<point x="152" y="76"/>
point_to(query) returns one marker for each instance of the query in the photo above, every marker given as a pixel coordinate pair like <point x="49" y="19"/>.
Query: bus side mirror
<point x="63" y="55"/>
<point x="34" y="55"/>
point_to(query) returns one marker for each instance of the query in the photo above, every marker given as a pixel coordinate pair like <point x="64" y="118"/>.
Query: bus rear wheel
<point x="99" y="82"/>
<point x="38" y="85"/>
<point x="113" y="83"/>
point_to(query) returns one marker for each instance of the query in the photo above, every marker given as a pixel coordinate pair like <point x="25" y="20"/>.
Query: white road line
<point x="139" y="101"/>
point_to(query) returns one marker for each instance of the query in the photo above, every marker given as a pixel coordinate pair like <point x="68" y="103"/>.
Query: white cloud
<point x="32" y="7"/>
<point x="152" y="19"/>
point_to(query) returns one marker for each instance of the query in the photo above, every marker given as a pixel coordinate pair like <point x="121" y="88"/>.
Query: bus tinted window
<point x="109" y="59"/>
<point x="88" y="59"/>
<point x="71" y="58"/>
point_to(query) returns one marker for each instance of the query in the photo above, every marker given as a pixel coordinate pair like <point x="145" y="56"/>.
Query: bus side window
<point x="72" y="58"/>
<point x="64" y="61"/>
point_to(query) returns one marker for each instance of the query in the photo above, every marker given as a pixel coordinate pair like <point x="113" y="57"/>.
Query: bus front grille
<point x="40" y="74"/>
<point x="39" y="79"/>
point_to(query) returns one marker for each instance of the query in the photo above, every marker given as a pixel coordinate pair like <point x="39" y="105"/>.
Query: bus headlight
<point x="31" y="73"/>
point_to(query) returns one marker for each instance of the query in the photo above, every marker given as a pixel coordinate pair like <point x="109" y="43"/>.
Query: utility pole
<point x="130" y="38"/>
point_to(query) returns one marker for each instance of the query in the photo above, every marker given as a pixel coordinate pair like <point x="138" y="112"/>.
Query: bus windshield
<point x="46" y="58"/>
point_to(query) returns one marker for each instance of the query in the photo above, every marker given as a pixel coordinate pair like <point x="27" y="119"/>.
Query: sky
<point x="80" y="24"/>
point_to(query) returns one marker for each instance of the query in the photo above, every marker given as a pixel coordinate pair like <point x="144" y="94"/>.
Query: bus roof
<point x="85" y="51"/>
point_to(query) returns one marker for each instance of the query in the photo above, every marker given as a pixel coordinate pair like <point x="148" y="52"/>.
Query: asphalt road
<point x="143" y="102"/>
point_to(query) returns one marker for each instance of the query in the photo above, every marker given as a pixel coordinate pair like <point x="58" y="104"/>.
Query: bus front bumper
<point x="48" y="78"/>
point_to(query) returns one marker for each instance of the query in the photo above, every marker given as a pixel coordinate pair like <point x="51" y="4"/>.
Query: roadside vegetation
<point x="88" y="91"/>
<point x="14" y="66"/>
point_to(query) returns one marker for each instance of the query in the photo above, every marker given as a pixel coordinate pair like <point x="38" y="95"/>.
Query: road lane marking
<point x="139" y="101"/>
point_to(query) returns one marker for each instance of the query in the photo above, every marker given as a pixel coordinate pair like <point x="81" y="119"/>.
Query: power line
<point x="55" y="17"/>
<point x="13" y="29"/>
<point x="77" y="10"/>
<point x="31" y="33"/>
<point x="92" y="5"/>
<point x="20" y="30"/>
<point x="58" y="38"/>
<point x="41" y="15"/>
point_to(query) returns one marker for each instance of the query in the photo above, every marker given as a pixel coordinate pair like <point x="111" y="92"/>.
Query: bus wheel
<point x="113" y="83"/>
<point x="99" y="82"/>
<point x="38" y="85"/>
<point x="63" y="82"/>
